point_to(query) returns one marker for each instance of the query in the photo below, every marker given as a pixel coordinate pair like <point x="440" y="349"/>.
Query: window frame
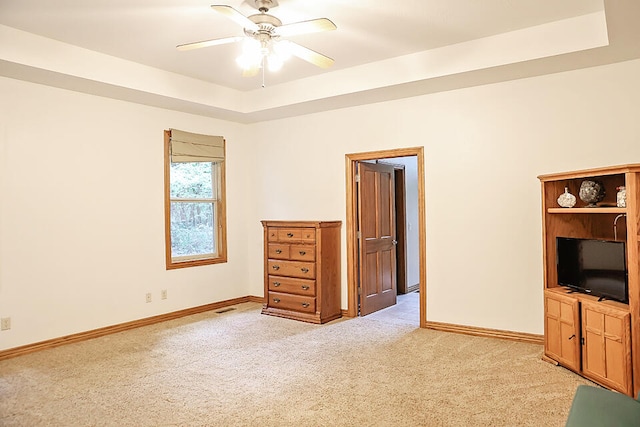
<point x="220" y="227"/>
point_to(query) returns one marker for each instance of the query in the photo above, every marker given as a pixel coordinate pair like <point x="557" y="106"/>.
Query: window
<point x="195" y="220"/>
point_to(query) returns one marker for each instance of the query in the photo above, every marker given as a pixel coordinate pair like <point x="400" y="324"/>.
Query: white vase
<point x="566" y="199"/>
<point x="621" y="197"/>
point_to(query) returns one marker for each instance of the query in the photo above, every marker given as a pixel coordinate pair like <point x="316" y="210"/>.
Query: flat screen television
<point x="596" y="267"/>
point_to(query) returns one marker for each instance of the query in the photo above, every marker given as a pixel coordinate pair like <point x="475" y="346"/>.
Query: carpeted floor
<point x="241" y="368"/>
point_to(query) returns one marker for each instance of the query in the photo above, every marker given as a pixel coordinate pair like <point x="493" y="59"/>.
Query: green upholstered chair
<point x="594" y="406"/>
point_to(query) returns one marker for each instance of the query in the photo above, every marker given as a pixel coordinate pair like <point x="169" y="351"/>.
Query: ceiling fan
<point x="263" y="40"/>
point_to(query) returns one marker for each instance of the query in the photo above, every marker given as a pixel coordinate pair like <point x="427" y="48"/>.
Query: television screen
<point x="596" y="267"/>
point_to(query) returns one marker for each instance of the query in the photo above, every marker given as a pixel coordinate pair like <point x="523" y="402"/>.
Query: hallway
<point x="405" y="311"/>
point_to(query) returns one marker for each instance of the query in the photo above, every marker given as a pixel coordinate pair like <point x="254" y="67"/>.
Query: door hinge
<point x="582" y="340"/>
<point x="358" y="235"/>
<point x="359" y="290"/>
<point x="358" y="177"/>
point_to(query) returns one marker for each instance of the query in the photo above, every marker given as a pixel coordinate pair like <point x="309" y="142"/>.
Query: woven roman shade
<point x="194" y="147"/>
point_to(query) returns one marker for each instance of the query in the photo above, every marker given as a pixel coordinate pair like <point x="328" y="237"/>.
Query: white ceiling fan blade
<point x="306" y="27"/>
<point x="235" y="16"/>
<point x="207" y="43"/>
<point x="309" y="55"/>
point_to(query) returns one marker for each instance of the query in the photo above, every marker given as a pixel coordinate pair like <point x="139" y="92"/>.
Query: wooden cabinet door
<point x="562" y="330"/>
<point x="606" y="355"/>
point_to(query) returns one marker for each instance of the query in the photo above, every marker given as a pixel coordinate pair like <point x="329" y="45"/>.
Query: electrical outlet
<point x="163" y="294"/>
<point x="5" y="323"/>
<point x="149" y="297"/>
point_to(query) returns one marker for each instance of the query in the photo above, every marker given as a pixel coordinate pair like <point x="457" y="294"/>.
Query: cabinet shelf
<point x="604" y="210"/>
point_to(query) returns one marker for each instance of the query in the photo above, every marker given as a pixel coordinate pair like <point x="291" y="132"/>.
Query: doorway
<point x="353" y="162"/>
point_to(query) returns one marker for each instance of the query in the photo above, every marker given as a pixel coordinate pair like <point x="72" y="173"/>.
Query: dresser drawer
<point x="305" y="270"/>
<point x="289" y="234"/>
<point x="279" y="251"/>
<point x="292" y="302"/>
<point x="294" y="235"/>
<point x="302" y="253"/>
<point x="292" y="286"/>
<point x="272" y="234"/>
<point x="308" y="235"/>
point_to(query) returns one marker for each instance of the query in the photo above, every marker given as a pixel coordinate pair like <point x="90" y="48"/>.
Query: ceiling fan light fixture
<point x="274" y="62"/>
<point x="247" y="62"/>
<point x="257" y="53"/>
<point x="251" y="56"/>
<point x="282" y="49"/>
<point x="251" y="46"/>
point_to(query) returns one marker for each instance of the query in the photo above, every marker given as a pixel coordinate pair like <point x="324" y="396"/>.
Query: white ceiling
<point x="375" y="41"/>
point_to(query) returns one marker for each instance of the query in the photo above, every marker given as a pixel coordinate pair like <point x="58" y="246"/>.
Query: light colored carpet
<point x="241" y="368"/>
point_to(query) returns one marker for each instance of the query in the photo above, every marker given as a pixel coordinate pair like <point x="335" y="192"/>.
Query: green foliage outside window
<point x="193" y="209"/>
<point x="191" y="180"/>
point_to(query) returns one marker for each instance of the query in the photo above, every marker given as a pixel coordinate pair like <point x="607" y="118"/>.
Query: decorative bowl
<point x="591" y="192"/>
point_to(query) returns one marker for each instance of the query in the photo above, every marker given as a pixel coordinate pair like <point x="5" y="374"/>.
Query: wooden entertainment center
<point x="596" y="338"/>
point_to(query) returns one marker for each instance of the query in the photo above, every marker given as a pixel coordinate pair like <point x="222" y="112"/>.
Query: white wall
<point x="82" y="226"/>
<point x="484" y="147"/>
<point x="82" y="220"/>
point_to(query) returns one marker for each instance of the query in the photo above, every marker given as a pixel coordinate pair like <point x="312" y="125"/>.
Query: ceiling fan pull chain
<point x="263" y="64"/>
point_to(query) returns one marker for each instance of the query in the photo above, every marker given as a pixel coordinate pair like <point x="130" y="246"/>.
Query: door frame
<point x="352" y="222"/>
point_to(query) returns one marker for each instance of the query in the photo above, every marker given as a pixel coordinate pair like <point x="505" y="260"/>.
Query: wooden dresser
<point x="302" y="270"/>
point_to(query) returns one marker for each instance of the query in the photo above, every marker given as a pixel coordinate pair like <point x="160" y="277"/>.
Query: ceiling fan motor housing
<point x="266" y="23"/>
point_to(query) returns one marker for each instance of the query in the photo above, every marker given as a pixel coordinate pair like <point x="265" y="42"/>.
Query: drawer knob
<point x="305" y="304"/>
<point x="304" y="270"/>
<point x="276" y="300"/>
<point x="289" y="234"/>
<point x="305" y="287"/>
<point x="303" y="252"/>
<point x="276" y="267"/>
<point x="278" y="251"/>
<point x="276" y="284"/>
